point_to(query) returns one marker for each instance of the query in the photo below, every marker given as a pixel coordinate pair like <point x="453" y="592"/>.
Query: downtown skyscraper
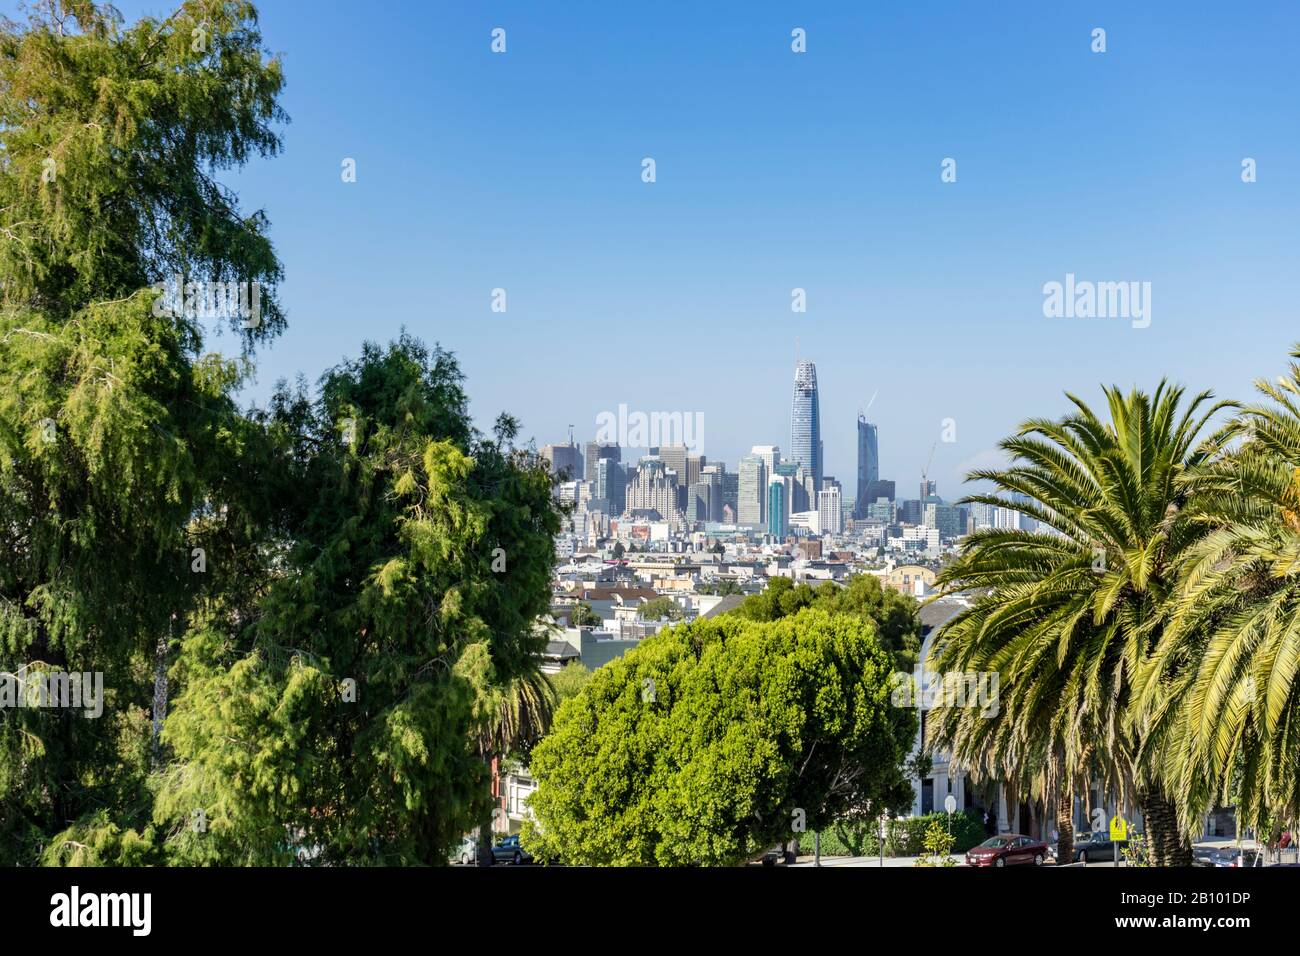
<point x="806" y="422"/>
<point x="868" y="465"/>
<point x="751" y="491"/>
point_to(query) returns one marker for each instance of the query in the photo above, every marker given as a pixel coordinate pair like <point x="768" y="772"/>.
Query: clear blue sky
<point x="778" y="170"/>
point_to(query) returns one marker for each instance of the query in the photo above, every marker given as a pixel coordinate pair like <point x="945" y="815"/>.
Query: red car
<point x="1007" y="849"/>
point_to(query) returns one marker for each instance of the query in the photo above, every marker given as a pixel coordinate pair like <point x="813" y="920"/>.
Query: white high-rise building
<point x="1007" y="519"/>
<point x="751" y="492"/>
<point x="830" y="508"/>
<point x="771" y="455"/>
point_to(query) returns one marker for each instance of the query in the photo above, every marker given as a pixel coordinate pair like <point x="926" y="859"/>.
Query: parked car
<point x="466" y="853"/>
<point x="1203" y="855"/>
<point x="508" y="849"/>
<point x="1093" y="848"/>
<point x="779" y="854"/>
<point x="1007" y="849"/>
<point x="1233" y="857"/>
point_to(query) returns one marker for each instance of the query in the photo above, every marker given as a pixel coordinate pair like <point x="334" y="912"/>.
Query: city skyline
<point x="805" y="443"/>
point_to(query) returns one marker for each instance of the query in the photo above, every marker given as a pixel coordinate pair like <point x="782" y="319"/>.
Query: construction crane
<point x="925" y="472"/>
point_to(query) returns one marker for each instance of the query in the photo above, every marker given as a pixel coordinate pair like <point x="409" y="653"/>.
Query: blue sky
<point x="778" y="170"/>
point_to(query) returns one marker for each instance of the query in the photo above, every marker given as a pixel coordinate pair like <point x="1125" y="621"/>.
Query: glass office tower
<point x="868" y="465"/>
<point x="806" y="423"/>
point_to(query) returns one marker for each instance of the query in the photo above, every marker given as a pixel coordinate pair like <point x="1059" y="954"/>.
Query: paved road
<point x="1218" y="843"/>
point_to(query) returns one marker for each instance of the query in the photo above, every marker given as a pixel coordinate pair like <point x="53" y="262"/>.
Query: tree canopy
<point x="659" y="609"/>
<point x="314" y="620"/>
<point x="716" y="739"/>
<point x="894" y="615"/>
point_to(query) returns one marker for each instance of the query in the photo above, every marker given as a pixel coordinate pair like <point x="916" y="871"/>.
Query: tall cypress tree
<point x="114" y="425"/>
<point x="326" y="596"/>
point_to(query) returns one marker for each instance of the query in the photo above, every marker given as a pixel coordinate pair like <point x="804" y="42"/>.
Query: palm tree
<point x="1031" y="743"/>
<point x="1221" y="689"/>
<point x="515" y="715"/>
<point x="1067" y="613"/>
<point x="512" y="718"/>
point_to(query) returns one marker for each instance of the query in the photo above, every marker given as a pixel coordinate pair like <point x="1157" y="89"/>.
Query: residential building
<point x="911" y="579"/>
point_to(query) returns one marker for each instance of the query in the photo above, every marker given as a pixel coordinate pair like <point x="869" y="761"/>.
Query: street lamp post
<point x="950" y="804"/>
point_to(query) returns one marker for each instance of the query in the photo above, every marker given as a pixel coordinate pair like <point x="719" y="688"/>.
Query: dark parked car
<point x="1094" y="848"/>
<point x="509" y="850"/>
<point x="1232" y="857"/>
<point x="1007" y="849"/>
<point x="779" y="854"/>
<point x="1203" y="855"/>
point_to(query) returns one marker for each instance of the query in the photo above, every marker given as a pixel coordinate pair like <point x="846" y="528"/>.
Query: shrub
<point x="905" y="837"/>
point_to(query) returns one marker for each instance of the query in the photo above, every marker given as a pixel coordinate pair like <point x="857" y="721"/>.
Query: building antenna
<point x="570" y="436"/>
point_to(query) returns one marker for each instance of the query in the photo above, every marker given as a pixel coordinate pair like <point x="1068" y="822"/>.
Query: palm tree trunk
<point x="1064" y="826"/>
<point x="1169" y="847"/>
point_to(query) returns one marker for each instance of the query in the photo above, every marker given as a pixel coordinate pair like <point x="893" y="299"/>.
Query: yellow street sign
<point x="1118" y="828"/>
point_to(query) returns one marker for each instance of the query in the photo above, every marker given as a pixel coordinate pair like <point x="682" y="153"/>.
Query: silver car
<point x="466" y="853"/>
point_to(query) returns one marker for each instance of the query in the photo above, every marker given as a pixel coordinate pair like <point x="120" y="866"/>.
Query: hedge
<point x="902" y="837"/>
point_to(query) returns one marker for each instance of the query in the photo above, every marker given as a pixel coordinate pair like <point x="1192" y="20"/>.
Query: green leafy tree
<point x="584" y="616"/>
<point x="714" y="740"/>
<point x="354" y="713"/>
<point x="111" y="138"/>
<point x="721" y="587"/>
<point x="894" y="614"/>
<point x="313" y="589"/>
<point x="660" y="609"/>
<point x="570" y="681"/>
<point x="116" y="426"/>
